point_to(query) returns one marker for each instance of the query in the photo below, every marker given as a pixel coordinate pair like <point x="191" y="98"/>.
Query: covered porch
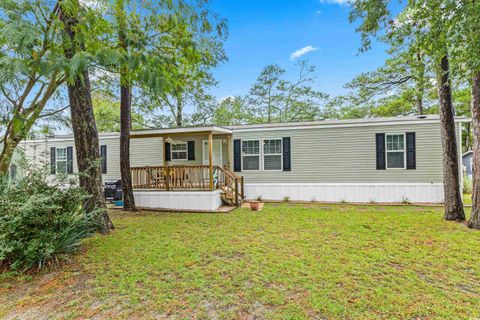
<point x="195" y="169"/>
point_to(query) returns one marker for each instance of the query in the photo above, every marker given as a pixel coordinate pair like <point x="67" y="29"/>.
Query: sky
<point x="263" y="32"/>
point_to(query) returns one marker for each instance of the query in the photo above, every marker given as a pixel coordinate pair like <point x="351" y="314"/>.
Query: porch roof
<point x="168" y="132"/>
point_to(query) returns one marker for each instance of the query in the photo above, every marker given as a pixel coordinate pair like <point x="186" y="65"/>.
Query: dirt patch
<point x="46" y="295"/>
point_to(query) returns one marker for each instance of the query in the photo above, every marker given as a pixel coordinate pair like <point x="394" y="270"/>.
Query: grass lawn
<point x="288" y="261"/>
<point x="467" y="199"/>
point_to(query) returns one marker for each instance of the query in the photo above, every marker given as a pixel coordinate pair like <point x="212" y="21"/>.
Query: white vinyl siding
<point x="251" y="155"/>
<point x="272" y="154"/>
<point x="347" y="155"/>
<point x="395" y="151"/>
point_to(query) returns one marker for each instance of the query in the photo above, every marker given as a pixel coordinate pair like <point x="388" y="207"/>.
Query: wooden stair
<point x="232" y="188"/>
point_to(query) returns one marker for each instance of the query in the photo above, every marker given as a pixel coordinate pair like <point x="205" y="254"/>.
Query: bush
<point x="467" y="185"/>
<point x="40" y="223"/>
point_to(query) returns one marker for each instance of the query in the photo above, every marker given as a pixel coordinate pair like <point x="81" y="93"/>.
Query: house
<point x="467" y="160"/>
<point x="194" y="168"/>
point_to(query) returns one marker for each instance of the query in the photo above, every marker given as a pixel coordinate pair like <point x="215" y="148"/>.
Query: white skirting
<point x="348" y="192"/>
<point x="178" y="200"/>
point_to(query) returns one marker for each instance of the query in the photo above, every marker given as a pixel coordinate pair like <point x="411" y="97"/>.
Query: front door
<point x="216" y="152"/>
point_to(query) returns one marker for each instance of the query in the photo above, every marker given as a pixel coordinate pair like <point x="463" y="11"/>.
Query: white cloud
<point x="340" y="2"/>
<point x="300" y="52"/>
<point x="93" y="4"/>
<point x="318" y="12"/>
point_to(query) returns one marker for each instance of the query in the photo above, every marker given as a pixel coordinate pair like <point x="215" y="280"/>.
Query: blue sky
<point x="263" y="32"/>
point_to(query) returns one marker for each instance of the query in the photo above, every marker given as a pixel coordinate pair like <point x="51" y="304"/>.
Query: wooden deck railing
<point x="189" y="177"/>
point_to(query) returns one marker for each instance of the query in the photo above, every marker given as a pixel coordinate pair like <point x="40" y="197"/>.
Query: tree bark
<point x="468" y="143"/>
<point x="125" y="126"/>
<point x="125" y="116"/>
<point x="474" y="221"/>
<point x="179" y="115"/>
<point x="420" y="84"/>
<point x="85" y="130"/>
<point x="451" y="172"/>
<point x="419" y="104"/>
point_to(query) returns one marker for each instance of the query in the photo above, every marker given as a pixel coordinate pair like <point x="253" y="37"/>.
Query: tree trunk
<point x="474" y="221"/>
<point x="11" y="139"/>
<point x="420" y="84"/>
<point x="85" y="130"/>
<point x="125" y="126"/>
<point x="6" y="156"/>
<point x="468" y="144"/>
<point x="419" y="104"/>
<point x="179" y="111"/>
<point x="451" y="173"/>
<point x="125" y="116"/>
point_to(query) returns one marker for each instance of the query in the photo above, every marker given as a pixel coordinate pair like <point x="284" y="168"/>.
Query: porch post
<point x="210" y="160"/>
<point x="229" y="152"/>
<point x="164" y="151"/>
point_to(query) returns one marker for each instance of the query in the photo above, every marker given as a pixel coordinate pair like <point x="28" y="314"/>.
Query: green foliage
<point x="467" y="185"/>
<point x="40" y="224"/>
<point x="226" y="111"/>
<point x="107" y="115"/>
<point x="168" y="49"/>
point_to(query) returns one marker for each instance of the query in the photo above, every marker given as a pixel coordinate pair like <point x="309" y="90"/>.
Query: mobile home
<point x="196" y="168"/>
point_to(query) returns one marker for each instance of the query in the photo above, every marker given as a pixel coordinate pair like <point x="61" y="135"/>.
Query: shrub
<point x="286" y="198"/>
<point x="40" y="223"/>
<point x="405" y="200"/>
<point x="467" y="185"/>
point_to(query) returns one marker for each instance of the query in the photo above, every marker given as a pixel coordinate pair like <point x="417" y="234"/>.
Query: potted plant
<point x="254" y="205"/>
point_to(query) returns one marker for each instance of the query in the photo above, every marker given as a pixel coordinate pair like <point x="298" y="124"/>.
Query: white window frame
<point x="57" y="160"/>
<point x="272" y="154"/>
<point x="250" y="155"/>
<point x="404" y="150"/>
<point x="186" y="151"/>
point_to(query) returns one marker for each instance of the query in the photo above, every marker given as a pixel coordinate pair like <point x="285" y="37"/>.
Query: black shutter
<point x="287" y="163"/>
<point x="191" y="150"/>
<point x="103" y="157"/>
<point x="53" y="160"/>
<point x="167" y="152"/>
<point x="237" y="155"/>
<point x="380" y="141"/>
<point x="70" y="160"/>
<point x="411" y="146"/>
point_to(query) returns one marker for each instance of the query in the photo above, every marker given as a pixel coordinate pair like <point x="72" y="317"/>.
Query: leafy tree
<point x="275" y="99"/>
<point x="107" y="114"/>
<point x="77" y="31"/>
<point x="401" y="77"/>
<point x="30" y="70"/>
<point x="462" y="21"/>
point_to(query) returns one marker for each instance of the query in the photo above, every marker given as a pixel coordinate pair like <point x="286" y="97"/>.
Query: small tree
<point x="30" y="70"/>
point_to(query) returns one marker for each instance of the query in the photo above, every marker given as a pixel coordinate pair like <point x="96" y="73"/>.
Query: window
<point x="13" y="172"/>
<point x="61" y="160"/>
<point x="251" y="155"/>
<point x="179" y="151"/>
<point x="395" y="151"/>
<point x="272" y="154"/>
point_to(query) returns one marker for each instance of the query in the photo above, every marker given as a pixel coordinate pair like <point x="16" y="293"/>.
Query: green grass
<point x="467" y="199"/>
<point x="288" y="261"/>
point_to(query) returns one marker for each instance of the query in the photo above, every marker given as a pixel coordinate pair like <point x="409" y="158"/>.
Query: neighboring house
<point x="467" y="160"/>
<point x="363" y="160"/>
